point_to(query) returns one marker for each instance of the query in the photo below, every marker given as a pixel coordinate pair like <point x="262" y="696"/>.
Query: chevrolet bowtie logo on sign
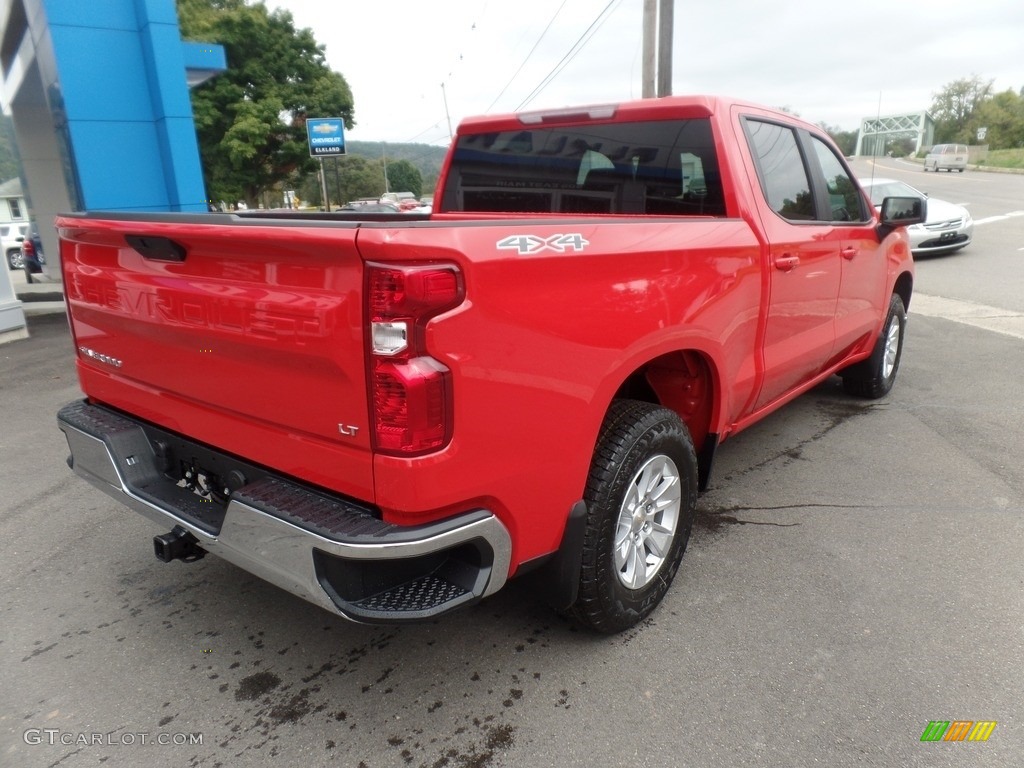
<point x="326" y="136"/>
<point x="958" y="730"/>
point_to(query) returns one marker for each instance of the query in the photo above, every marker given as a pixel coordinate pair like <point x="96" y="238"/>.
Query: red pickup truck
<point x="391" y="415"/>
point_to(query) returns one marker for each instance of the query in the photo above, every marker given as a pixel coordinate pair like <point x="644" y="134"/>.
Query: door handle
<point x="786" y="262"/>
<point x="157" y="248"/>
<point x="849" y="253"/>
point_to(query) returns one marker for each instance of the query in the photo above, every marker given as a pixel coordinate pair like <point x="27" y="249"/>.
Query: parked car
<point x="947" y="228"/>
<point x="370" y="207"/>
<point x="11" y="236"/>
<point x="952" y="157"/>
<point x="32" y="259"/>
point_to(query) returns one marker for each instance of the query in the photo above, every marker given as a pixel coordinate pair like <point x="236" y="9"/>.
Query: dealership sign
<point x="326" y="136"/>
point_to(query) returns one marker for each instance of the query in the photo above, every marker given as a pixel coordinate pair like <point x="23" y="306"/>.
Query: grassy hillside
<point x="427" y="158"/>
<point x="1005" y="158"/>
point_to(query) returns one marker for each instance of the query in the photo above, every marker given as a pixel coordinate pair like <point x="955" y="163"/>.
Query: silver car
<point x="952" y="157"/>
<point x="11" y="236"/>
<point x="948" y="227"/>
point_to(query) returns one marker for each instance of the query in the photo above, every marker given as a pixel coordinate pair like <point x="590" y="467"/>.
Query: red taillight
<point x="28" y="248"/>
<point x="411" y="398"/>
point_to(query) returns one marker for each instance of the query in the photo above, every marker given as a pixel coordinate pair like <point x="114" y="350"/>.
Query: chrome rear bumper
<point x="328" y="550"/>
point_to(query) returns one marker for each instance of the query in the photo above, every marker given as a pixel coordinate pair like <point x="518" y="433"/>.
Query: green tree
<point x="426" y="158"/>
<point x="356" y="177"/>
<point x="1003" y="118"/>
<point x="845" y="140"/>
<point x="251" y="119"/>
<point x="901" y="146"/>
<point x="403" y="176"/>
<point x="362" y="179"/>
<point x="955" y="105"/>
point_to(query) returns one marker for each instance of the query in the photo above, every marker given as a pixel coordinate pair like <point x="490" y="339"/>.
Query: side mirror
<point x="901" y="212"/>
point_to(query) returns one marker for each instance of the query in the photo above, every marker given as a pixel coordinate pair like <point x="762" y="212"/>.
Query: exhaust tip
<point x="179" y="544"/>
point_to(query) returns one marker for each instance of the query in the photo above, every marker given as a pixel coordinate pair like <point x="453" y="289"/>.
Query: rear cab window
<point x="661" y="167"/>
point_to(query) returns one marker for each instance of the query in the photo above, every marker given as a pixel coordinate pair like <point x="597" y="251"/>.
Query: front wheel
<point x="641" y="498"/>
<point x="874" y="377"/>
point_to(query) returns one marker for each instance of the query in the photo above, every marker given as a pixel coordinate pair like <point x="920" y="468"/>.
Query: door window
<point x="845" y="201"/>
<point x="781" y="169"/>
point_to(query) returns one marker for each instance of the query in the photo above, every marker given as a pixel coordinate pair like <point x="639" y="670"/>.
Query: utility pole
<point x="657" y="30"/>
<point x="649" y="29"/>
<point x="323" y="187"/>
<point x="665" y="35"/>
<point x="444" y="95"/>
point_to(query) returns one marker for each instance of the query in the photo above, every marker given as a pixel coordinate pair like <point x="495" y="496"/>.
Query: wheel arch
<point x="687" y="382"/>
<point x="904" y="287"/>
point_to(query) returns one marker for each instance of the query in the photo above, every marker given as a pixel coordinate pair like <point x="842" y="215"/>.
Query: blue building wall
<point x="113" y="74"/>
<point x="121" y="69"/>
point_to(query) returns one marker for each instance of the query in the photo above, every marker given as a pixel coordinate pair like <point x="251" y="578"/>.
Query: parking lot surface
<point x="855" y="574"/>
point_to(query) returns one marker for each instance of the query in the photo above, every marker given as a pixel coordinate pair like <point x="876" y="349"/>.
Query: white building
<point x="13" y="223"/>
<point x="12" y="203"/>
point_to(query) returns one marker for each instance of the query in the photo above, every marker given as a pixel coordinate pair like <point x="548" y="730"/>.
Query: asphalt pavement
<point x="855" y="575"/>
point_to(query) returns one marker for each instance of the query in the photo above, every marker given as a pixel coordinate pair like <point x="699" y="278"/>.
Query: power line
<point x="425" y="130"/>
<point x="534" y="48"/>
<point x="576" y="48"/>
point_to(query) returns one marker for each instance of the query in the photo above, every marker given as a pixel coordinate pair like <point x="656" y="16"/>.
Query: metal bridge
<point x="875" y="132"/>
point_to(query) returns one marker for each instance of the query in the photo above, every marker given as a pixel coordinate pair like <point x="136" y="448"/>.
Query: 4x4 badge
<point x="528" y="244"/>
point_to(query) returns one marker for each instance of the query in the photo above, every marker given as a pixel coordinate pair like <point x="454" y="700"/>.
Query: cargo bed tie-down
<point x="324" y="548"/>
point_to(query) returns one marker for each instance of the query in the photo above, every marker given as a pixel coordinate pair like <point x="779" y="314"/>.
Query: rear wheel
<point x="641" y="497"/>
<point x="874" y="377"/>
<point x="14" y="260"/>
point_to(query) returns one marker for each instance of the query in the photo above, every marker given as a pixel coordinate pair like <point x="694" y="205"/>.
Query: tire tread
<point x="628" y="423"/>
<point x="864" y="379"/>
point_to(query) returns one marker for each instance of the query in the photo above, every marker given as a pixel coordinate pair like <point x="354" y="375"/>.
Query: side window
<point x="781" y="170"/>
<point x="843" y="195"/>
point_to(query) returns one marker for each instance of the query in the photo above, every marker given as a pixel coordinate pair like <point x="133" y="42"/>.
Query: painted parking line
<point x="995" y="319"/>
<point x="1002" y="217"/>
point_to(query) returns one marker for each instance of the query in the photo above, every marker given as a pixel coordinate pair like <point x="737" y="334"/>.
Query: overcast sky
<point x="827" y="61"/>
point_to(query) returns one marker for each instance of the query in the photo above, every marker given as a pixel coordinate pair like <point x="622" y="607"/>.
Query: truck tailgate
<point x="244" y="336"/>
